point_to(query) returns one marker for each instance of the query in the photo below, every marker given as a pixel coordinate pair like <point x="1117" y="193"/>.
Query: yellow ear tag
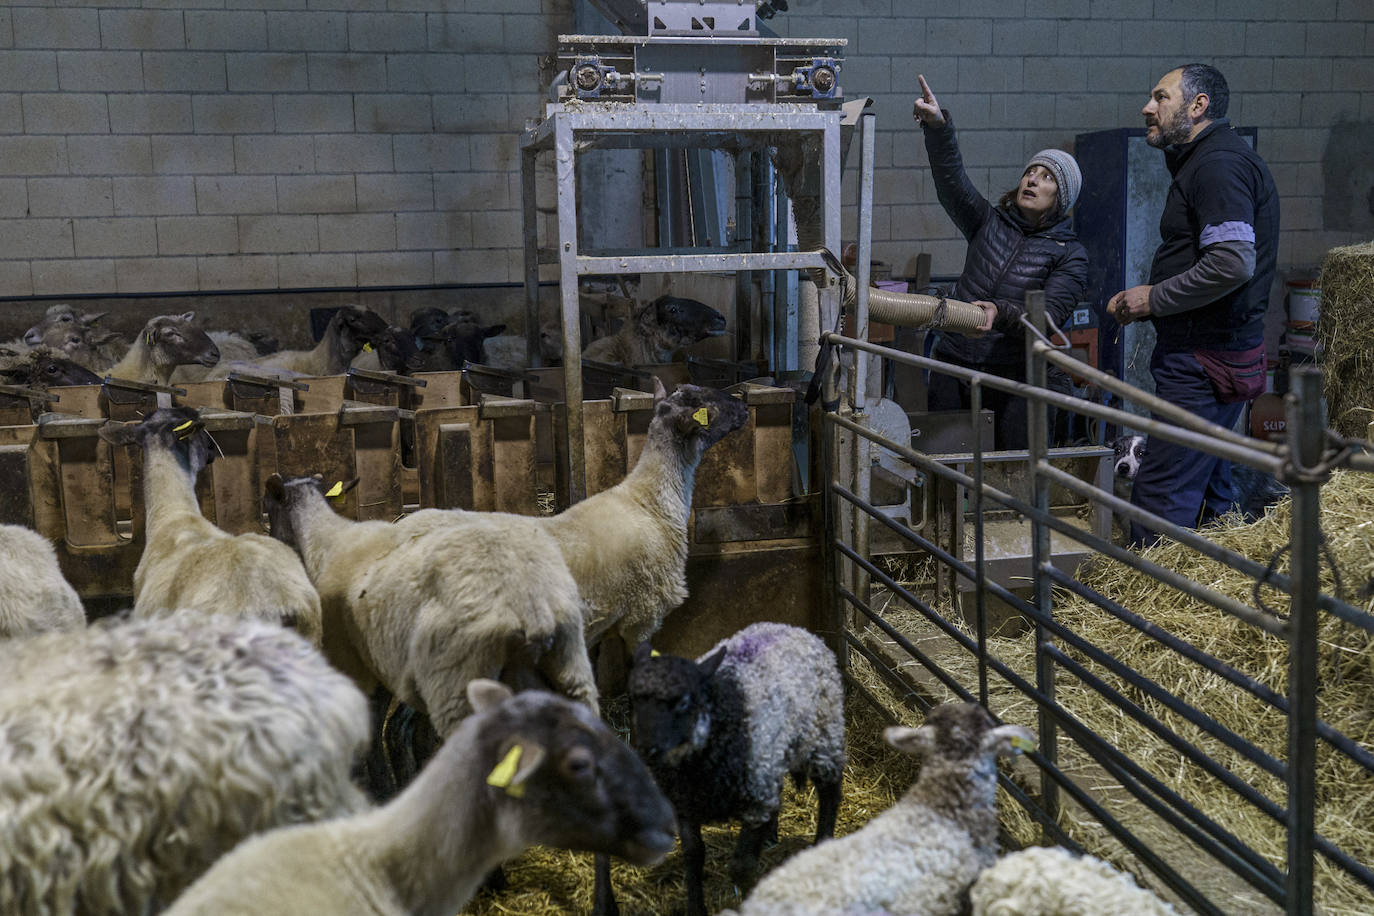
<point x="367" y="348"/>
<point x="700" y="416"/>
<point x="501" y="774"/>
<point x="148" y="338"/>
<point x="654" y="653"/>
<point x="1023" y="744"/>
<point x="184" y="430"/>
<point x="335" y="491"/>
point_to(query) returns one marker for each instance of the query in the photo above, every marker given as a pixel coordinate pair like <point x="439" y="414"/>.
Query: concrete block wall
<point x="209" y="145"/>
<point x="152" y="146"/>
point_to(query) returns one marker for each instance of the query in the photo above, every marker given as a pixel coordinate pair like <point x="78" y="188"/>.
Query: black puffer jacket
<point x="1006" y="258"/>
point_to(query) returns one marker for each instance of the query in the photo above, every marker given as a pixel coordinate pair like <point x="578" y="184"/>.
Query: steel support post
<point x="530" y="215"/>
<point x="565" y="167"/>
<point x="744" y="243"/>
<point x="858" y="376"/>
<point x="1038" y="440"/>
<point x="1306" y="438"/>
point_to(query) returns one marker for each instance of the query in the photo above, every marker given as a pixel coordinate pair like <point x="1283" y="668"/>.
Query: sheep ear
<point x="1008" y="740"/>
<point x="517" y="764"/>
<point x="914" y="741"/>
<point x="659" y="391"/>
<point x="117" y="433"/>
<point x="188" y="316"/>
<point x="273" y="487"/>
<point x="92" y="317"/>
<point x="643" y="652"/>
<point x="711" y="663"/>
<point x="484" y="694"/>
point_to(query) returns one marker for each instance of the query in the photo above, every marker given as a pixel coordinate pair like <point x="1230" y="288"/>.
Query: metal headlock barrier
<point x="1304" y="461"/>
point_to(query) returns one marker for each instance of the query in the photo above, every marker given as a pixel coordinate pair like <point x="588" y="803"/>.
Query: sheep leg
<point x="827" y="807"/>
<point x="569" y="669"/>
<point x="694" y="860"/>
<point x="603" y="899"/>
<point x="612" y="668"/>
<point x="744" y="864"/>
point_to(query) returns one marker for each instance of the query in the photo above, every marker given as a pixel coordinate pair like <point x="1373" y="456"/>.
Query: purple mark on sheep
<point x="755" y="642"/>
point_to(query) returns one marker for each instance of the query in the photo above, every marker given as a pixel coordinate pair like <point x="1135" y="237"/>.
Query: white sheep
<point x="1051" y="881"/>
<point x="524" y="769"/>
<point x="348" y="331"/>
<point x="135" y="754"/>
<point x="166" y="341"/>
<point x="233" y="348"/>
<point x="655" y="330"/>
<point x="918" y="857"/>
<point x="722" y="734"/>
<point x="73" y="332"/>
<point x="188" y="564"/>
<point x="423" y="607"/>
<point x="511" y="351"/>
<point x="34" y="596"/>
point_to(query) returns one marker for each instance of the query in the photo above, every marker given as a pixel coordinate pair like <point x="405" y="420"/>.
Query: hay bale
<point x="1345" y="329"/>
<point x="1346" y="805"/>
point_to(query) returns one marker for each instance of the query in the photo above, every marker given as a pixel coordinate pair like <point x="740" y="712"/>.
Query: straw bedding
<point x="1346" y="332"/>
<point x="1345" y="793"/>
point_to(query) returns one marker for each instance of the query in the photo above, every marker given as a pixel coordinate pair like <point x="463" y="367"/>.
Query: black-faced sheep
<point x="188" y="564"/>
<point x="1051" y="881"/>
<point x="525" y="769"/>
<point x="34" y="596"/>
<point x="721" y="735"/>
<point x="392" y="349"/>
<point x="920" y="855"/>
<point x="423" y="607"/>
<point x="134" y="755"/>
<point x="656" y="330"/>
<point x="166" y="341"/>
<point x="44" y="367"/>
<point x="348" y="330"/>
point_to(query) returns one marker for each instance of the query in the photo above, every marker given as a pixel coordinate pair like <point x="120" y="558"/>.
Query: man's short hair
<point x="1200" y="78"/>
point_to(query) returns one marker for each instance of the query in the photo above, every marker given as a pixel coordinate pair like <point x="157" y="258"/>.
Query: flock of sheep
<point x="196" y="756"/>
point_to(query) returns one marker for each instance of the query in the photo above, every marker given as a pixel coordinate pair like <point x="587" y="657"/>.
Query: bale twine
<point x="1345" y="329"/>
<point x="1345" y="815"/>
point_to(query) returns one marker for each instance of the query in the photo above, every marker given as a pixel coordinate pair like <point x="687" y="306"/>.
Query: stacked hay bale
<point x="1346" y="332"/>
<point x="1346" y="701"/>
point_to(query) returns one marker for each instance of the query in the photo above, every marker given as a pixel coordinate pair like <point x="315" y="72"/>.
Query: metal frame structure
<point x="1304" y="461"/>
<point x="575" y="127"/>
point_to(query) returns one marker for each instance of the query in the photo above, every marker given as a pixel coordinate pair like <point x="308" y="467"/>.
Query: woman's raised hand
<point x="926" y="109"/>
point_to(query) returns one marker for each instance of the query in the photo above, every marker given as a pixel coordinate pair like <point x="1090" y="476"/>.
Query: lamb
<point x="74" y="333"/>
<point x="721" y="734"/>
<point x="189" y="565"/>
<point x="510" y="351"/>
<point x="349" y="329"/>
<point x="919" y="856"/>
<point x="42" y="368"/>
<point x="166" y="341"/>
<point x="1051" y="881"/>
<point x="34" y="596"/>
<point x="134" y="755"/>
<point x="524" y="769"/>
<point x="422" y="607"/>
<point x="656" y="330"/>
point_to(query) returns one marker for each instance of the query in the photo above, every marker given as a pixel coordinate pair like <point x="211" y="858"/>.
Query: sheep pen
<point x="1346" y="671"/>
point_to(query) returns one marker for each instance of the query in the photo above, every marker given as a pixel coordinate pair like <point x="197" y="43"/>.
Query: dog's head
<point x="1128" y="452"/>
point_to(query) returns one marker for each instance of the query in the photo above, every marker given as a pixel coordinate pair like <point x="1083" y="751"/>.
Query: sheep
<point x="134" y="755"/>
<point x="510" y="351"/>
<point x="166" y="341"/>
<point x="455" y="344"/>
<point x="188" y="564"/>
<point x="721" y="734"/>
<point x="1051" y="881"/>
<point x="525" y="769"/>
<point x="392" y="349"/>
<point x="42" y="368"/>
<point x="67" y="329"/>
<point x="919" y="856"/>
<point x="423" y="608"/>
<point x="233" y="348"/>
<point x="656" y="330"/>
<point x="349" y="329"/>
<point x="425" y="321"/>
<point x="34" y="596"/>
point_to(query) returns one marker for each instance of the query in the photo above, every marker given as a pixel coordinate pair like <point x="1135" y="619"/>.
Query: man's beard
<point x="1176" y="131"/>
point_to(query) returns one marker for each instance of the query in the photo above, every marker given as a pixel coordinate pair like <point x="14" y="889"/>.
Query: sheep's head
<point x="670" y="704"/>
<point x="960" y="731"/>
<point x="355" y="326"/>
<point x="178" y="430"/>
<point x="565" y="777"/>
<point x="58" y="322"/>
<point x="680" y="322"/>
<point x="464" y="341"/>
<point x="282" y="496"/>
<point x="48" y="368"/>
<point x="425" y="322"/>
<point x="396" y="350"/>
<point x="698" y="417"/>
<point x="175" y="341"/>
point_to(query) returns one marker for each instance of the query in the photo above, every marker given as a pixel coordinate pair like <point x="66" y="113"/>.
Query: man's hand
<point x="1130" y="304"/>
<point x="989" y="316"/>
<point x="926" y="110"/>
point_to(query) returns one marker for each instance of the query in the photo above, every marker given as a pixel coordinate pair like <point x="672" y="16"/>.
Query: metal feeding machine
<point x="687" y="74"/>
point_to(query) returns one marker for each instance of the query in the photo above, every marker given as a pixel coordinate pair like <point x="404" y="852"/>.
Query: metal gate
<point x="1260" y="776"/>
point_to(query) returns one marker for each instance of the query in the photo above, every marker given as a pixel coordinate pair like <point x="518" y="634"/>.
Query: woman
<point x="1023" y="243"/>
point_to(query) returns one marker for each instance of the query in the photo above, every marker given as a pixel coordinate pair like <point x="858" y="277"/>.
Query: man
<point x="1208" y="290"/>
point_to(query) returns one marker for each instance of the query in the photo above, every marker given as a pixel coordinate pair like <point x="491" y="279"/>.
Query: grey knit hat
<point x="1064" y="168"/>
